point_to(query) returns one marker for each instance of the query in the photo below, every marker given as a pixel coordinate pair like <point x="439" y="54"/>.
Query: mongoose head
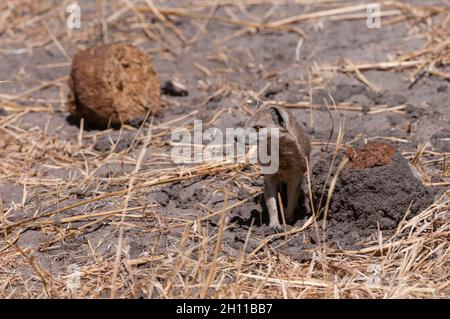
<point x="265" y="130"/>
<point x="269" y="117"/>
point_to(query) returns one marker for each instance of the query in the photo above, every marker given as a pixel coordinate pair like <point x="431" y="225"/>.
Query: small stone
<point x="174" y="88"/>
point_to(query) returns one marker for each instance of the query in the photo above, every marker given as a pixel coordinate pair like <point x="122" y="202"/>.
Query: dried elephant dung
<point x="112" y="85"/>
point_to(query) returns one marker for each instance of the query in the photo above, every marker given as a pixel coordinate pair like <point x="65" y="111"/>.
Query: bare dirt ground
<point x="111" y="206"/>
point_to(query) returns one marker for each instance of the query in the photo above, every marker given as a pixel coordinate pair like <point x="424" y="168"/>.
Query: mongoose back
<point x="294" y="150"/>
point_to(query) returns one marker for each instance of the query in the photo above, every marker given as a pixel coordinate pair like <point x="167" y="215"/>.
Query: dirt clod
<point x="162" y="198"/>
<point x="373" y="154"/>
<point x="113" y="84"/>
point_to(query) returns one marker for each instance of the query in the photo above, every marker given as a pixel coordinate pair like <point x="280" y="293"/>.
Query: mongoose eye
<point x="257" y="127"/>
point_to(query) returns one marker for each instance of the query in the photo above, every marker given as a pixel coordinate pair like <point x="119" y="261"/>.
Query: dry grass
<point x="413" y="263"/>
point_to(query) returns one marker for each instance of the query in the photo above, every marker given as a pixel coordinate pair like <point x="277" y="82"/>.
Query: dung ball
<point x="112" y="85"/>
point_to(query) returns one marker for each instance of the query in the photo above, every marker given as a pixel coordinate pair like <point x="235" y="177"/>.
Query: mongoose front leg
<point x="293" y="190"/>
<point x="270" y="193"/>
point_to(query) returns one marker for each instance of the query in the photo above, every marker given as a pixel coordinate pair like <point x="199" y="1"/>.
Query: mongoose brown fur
<point x="294" y="150"/>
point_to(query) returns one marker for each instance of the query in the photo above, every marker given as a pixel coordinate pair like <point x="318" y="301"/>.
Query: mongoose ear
<point x="279" y="116"/>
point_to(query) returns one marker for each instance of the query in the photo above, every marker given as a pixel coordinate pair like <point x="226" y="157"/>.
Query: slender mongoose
<point x="294" y="150"/>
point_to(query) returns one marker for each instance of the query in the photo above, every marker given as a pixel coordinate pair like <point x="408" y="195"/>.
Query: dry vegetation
<point x="412" y="263"/>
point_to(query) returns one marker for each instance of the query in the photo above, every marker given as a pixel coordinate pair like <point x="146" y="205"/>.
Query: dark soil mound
<point x="376" y="188"/>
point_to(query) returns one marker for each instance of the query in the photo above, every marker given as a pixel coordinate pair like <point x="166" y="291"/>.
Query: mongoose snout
<point x="293" y="151"/>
